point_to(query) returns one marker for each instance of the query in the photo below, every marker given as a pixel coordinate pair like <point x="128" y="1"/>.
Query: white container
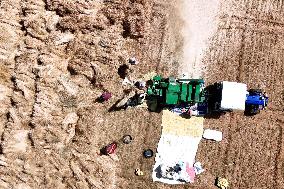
<point x="212" y="135"/>
<point x="233" y="96"/>
<point x="198" y="168"/>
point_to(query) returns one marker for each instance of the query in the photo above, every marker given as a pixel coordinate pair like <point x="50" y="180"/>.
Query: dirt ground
<point x="58" y="56"/>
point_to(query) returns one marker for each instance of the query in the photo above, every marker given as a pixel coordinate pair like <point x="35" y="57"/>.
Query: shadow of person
<point x="152" y="104"/>
<point x="123" y="71"/>
<point x="158" y="171"/>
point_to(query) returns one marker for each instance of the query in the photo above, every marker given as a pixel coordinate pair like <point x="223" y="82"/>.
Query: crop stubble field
<point x="39" y="74"/>
<point x="248" y="47"/>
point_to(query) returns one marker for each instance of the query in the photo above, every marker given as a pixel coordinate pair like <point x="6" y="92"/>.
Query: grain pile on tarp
<point x="177" y="149"/>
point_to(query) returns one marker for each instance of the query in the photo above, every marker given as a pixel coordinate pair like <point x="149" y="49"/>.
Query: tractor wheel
<point x="255" y="91"/>
<point x="254" y="112"/>
<point x="251" y="110"/>
<point x="148" y="153"/>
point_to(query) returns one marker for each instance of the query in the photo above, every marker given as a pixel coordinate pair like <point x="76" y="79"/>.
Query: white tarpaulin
<point x="233" y="95"/>
<point x="177" y="149"/>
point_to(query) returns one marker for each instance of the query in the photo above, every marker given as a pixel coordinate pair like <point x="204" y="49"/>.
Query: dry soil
<point x="58" y="56"/>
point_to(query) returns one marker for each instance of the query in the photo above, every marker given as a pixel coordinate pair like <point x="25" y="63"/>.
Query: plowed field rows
<point x="58" y="56"/>
<point x="248" y="47"/>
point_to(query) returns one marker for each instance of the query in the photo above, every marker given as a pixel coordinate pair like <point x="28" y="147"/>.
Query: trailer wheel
<point x="152" y="103"/>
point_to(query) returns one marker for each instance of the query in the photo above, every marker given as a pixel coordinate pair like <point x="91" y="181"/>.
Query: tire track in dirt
<point x="20" y="90"/>
<point x="247" y="160"/>
<point x="166" y="58"/>
<point x="241" y="56"/>
<point x="15" y="134"/>
<point x="264" y="50"/>
<point x="276" y="160"/>
<point x="280" y="156"/>
<point x="271" y="74"/>
<point x="9" y="40"/>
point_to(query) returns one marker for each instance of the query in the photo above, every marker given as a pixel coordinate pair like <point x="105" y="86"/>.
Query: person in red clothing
<point x="109" y="149"/>
<point x="105" y="96"/>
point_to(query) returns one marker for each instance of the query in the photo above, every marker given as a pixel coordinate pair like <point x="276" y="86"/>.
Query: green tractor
<point x="191" y="96"/>
<point x="174" y="92"/>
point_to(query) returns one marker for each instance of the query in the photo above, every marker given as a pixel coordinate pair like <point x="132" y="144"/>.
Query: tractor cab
<point x="256" y="100"/>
